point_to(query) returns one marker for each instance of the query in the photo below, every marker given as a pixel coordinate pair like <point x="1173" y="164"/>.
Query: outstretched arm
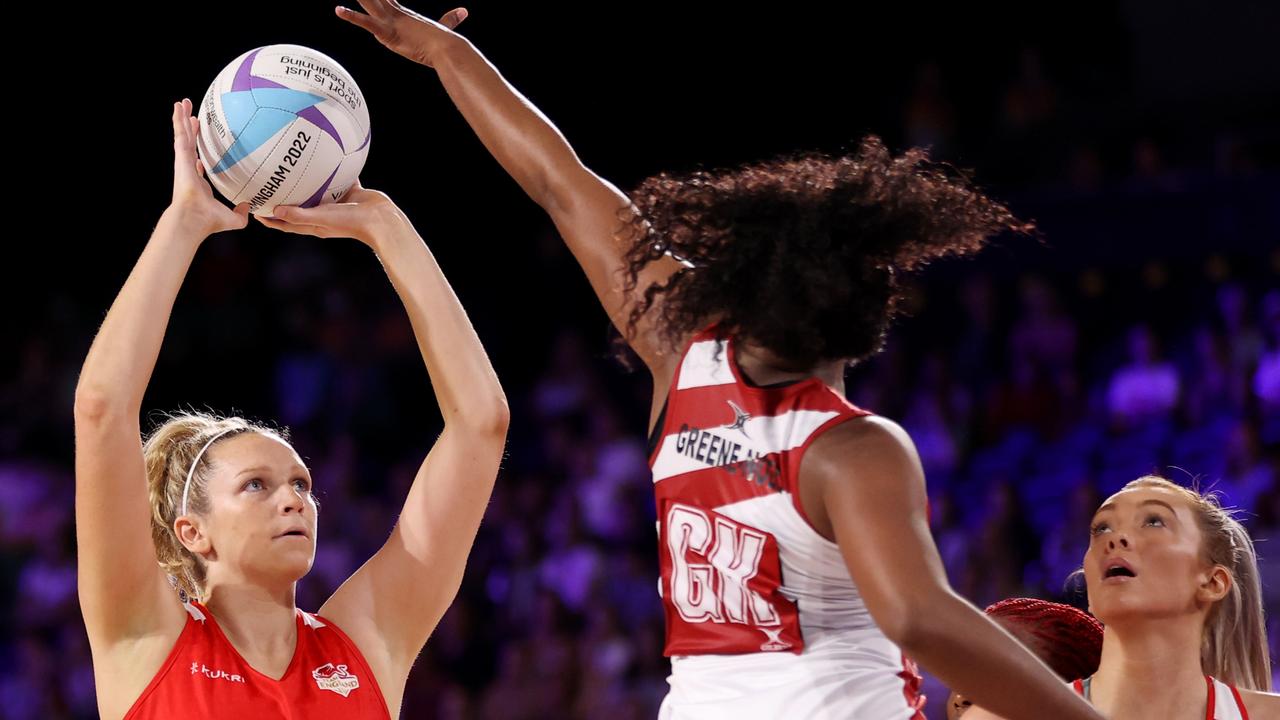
<point x="390" y="605"/>
<point x="588" y="211"/>
<point x="862" y="483"/>
<point x="123" y="593"/>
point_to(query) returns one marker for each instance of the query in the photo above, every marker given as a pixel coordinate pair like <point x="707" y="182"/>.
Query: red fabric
<point x="716" y="617"/>
<point x="205" y="677"/>
<point x="1244" y="712"/>
<point x="911" y="688"/>
<point x="705" y="614"/>
<point x="1212" y="701"/>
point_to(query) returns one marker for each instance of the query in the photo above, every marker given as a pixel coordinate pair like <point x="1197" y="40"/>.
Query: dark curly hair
<point x="803" y="255"/>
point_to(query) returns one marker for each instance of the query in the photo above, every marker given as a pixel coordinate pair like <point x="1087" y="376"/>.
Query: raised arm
<point x="390" y="605"/>
<point x="588" y="211"/>
<point x="862" y="483"/>
<point x="123" y="593"/>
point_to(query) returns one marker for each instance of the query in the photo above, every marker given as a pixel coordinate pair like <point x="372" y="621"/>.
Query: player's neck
<point x="1151" y="669"/>
<point x="763" y="367"/>
<point x="259" y="622"/>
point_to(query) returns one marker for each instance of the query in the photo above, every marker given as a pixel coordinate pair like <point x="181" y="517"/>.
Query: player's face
<point x="262" y="523"/>
<point x="1145" y="557"/>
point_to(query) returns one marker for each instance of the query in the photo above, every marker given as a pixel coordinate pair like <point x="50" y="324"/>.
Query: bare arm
<point x="863" y="483"/>
<point x="123" y="594"/>
<point x="586" y="209"/>
<point x="976" y="712"/>
<point x="392" y="603"/>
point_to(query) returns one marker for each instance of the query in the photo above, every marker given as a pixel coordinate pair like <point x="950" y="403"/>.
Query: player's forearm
<point x="516" y="133"/>
<point x="974" y="656"/>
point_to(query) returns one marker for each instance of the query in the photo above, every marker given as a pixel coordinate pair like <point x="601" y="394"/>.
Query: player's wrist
<point x="441" y="49"/>
<point x="186" y="222"/>
<point x="388" y="230"/>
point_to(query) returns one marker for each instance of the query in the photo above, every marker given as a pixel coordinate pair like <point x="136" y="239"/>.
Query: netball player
<point x="226" y="507"/>
<point x="1174" y="580"/>
<point x="791" y="588"/>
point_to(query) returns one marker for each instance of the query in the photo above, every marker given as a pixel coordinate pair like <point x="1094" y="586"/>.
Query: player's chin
<point x="293" y="563"/>
<point x="1111" y="607"/>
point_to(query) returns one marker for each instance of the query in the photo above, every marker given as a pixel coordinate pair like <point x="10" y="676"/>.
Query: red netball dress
<point x="205" y="677"/>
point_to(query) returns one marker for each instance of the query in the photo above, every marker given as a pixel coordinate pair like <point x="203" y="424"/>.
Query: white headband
<point x="186" y="486"/>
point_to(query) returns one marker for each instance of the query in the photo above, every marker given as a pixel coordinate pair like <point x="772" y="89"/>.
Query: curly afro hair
<point x="803" y="255"/>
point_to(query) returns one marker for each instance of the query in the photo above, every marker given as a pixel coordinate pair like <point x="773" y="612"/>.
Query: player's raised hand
<point x="193" y="199"/>
<point x="361" y="214"/>
<point x="402" y="30"/>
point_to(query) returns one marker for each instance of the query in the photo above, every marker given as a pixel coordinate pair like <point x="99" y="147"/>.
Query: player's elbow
<point x="561" y="188"/>
<point x="497" y="419"/>
<point x="551" y="198"/>
<point x="914" y="622"/>
<point x="94" y="405"/>
<point x="899" y="626"/>
<point x="490" y="417"/>
<point x="910" y="634"/>
<point x="927" y="623"/>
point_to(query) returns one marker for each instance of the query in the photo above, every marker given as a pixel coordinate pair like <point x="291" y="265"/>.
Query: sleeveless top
<point x="1224" y="701"/>
<point x="205" y="677"/>
<point x="762" y="617"/>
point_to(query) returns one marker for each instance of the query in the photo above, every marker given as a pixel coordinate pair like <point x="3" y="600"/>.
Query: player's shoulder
<point x="874" y="450"/>
<point x="1261" y="705"/>
<point x="863" y="435"/>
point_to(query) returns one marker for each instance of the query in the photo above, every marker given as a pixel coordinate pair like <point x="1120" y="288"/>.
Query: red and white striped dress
<point x="762" y="617"/>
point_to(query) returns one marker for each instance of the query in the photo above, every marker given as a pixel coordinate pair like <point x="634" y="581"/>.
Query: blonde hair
<point x="1234" y="646"/>
<point x="171" y="454"/>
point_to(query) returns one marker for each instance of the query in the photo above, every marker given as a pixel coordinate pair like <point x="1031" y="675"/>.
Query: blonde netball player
<point x="1174" y="580"/>
<point x="226" y="508"/>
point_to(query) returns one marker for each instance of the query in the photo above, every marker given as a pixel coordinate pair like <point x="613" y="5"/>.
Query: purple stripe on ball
<point x="261" y="82"/>
<point x="318" y="119"/>
<point x="244" y="80"/>
<point x="314" y="200"/>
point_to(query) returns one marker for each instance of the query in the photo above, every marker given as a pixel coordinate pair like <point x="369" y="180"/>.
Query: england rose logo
<point x="337" y="679"/>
